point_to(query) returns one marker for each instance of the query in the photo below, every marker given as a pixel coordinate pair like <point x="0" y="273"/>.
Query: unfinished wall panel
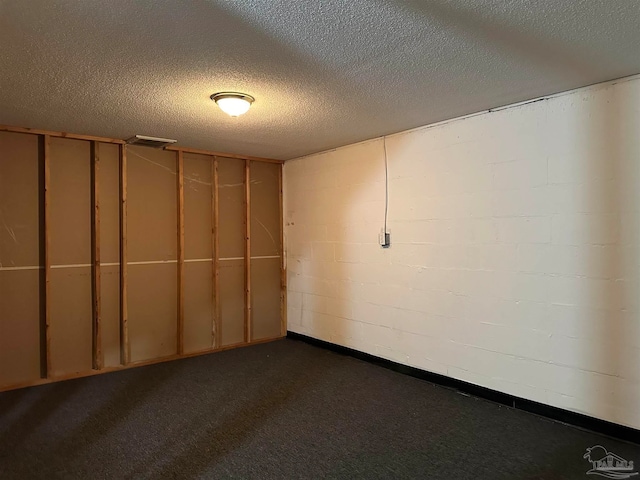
<point x="70" y="256"/>
<point x="231" y="302"/>
<point x="152" y="311"/>
<point x="110" y="314"/>
<point x="231" y="189"/>
<point x="265" y="298"/>
<point x="265" y="209"/>
<point x="20" y="257"/>
<point x="152" y="204"/>
<point x="197" y="206"/>
<point x="71" y="329"/>
<point x="231" y="209"/>
<point x="198" y="307"/>
<point x="198" y="241"/>
<point x="19" y="326"/>
<point x="19" y="200"/>
<point x="70" y="229"/>
<point x="265" y="250"/>
<point x="152" y="252"/>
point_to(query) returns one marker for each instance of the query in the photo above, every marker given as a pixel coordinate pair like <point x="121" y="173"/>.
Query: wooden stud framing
<point x="180" y="282"/>
<point x="124" y="315"/>
<point x="216" y="327"/>
<point x="98" y="356"/>
<point x="46" y="149"/>
<point x="247" y="251"/>
<point x="283" y="271"/>
<point x="125" y="349"/>
<point x="7" y="128"/>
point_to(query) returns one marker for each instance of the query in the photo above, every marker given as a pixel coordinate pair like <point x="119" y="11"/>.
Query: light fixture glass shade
<point x="232" y="103"/>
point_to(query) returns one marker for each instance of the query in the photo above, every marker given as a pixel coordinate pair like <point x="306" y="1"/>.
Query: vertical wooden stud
<point x="46" y="149"/>
<point x="216" y="327"/>
<point x="124" y="314"/>
<point x="180" y="282"/>
<point x="283" y="270"/>
<point x="98" y="358"/>
<point x="247" y="252"/>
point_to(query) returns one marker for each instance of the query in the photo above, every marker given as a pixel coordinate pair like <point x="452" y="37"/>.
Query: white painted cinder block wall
<point x="515" y="249"/>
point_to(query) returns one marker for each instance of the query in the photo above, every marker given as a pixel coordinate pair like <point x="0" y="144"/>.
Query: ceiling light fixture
<point x="233" y="103"/>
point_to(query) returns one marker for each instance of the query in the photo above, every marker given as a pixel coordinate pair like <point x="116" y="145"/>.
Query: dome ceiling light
<point x="233" y="103"/>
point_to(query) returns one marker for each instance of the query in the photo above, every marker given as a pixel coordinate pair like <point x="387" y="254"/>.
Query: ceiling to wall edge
<point x="186" y="149"/>
<point x="592" y="86"/>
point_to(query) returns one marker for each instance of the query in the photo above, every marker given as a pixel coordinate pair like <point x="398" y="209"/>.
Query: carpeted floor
<point x="279" y="410"/>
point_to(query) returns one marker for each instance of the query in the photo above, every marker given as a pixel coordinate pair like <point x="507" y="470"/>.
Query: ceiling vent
<point x="152" y="142"/>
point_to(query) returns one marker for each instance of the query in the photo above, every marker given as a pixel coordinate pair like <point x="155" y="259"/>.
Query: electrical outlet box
<point x="384" y="238"/>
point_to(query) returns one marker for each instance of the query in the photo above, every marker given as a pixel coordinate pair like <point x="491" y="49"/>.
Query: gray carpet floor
<point x="279" y="410"/>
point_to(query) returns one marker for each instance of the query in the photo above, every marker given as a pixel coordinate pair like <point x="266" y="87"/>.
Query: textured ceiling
<point x="324" y="73"/>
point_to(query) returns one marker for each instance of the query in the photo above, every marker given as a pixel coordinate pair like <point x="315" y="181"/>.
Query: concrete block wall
<point x="515" y="249"/>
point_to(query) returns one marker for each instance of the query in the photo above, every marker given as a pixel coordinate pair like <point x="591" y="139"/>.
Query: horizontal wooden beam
<point x="89" y="373"/>
<point x="225" y="155"/>
<point x="7" y="128"/>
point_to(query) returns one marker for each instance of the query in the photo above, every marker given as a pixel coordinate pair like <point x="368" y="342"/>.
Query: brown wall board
<point x="19" y="326"/>
<point x="197" y="206"/>
<point x="152" y="235"/>
<point x="231" y="207"/>
<point x="152" y="304"/>
<point x="70" y="191"/>
<point x="198" y="306"/>
<point x="19" y="200"/>
<point x="109" y="204"/>
<point x="198" y="240"/>
<point x="20" y="293"/>
<point x="110" y="314"/>
<point x="265" y="209"/>
<point x="231" y="301"/>
<point x="70" y="300"/>
<point x="151" y="204"/>
<point x="71" y="332"/>
<point x="265" y="298"/>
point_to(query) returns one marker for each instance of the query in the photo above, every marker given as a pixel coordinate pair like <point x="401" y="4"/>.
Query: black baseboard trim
<point x="559" y="414"/>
